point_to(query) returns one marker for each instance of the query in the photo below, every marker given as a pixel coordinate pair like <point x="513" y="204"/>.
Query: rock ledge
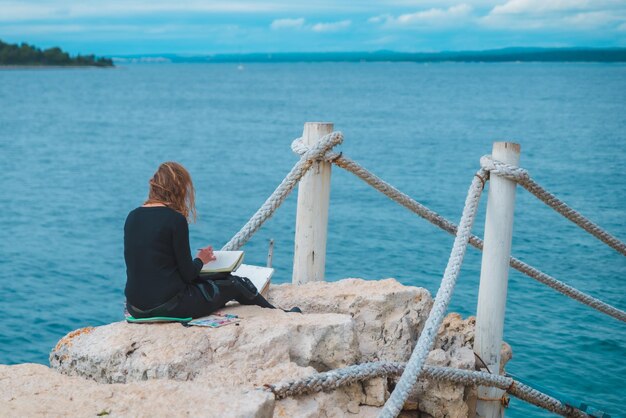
<point x="169" y="370"/>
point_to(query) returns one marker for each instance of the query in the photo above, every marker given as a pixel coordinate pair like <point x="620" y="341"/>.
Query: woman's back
<point x="157" y="254"/>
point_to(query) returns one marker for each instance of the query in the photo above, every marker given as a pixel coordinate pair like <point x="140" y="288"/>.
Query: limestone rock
<point x="233" y="355"/>
<point x="266" y="347"/>
<point x="506" y="354"/>
<point x="344" y="323"/>
<point x="375" y="391"/>
<point x="453" y="348"/>
<point x="33" y="390"/>
<point x="335" y="404"/>
<point x="388" y="316"/>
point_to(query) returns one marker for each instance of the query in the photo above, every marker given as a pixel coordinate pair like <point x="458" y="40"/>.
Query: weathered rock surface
<point x="235" y="354"/>
<point x="387" y="316"/>
<point x="453" y="348"/>
<point x="346" y="322"/>
<point x="33" y="390"/>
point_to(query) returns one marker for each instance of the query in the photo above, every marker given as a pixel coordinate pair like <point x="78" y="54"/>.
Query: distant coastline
<point x="494" y="55"/>
<point x="4" y="67"/>
<point x="14" y="56"/>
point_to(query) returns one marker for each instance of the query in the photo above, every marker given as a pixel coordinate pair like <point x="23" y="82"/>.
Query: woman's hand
<point x="206" y="254"/>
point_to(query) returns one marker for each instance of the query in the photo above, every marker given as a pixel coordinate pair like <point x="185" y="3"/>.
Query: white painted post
<point x="270" y="253"/>
<point x="309" y="259"/>
<point x="494" y="276"/>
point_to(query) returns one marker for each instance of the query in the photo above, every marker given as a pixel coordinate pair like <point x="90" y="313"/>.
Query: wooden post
<point x="494" y="275"/>
<point x="270" y="253"/>
<point x="309" y="257"/>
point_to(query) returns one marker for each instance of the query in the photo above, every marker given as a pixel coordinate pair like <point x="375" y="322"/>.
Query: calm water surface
<point x="77" y="148"/>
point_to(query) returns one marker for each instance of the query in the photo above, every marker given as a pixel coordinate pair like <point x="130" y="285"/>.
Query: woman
<point x="161" y="277"/>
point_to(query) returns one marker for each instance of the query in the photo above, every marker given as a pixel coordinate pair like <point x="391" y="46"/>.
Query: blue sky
<point x="118" y="27"/>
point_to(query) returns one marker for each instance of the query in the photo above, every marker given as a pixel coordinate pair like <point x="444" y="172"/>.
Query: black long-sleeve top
<point x="157" y="254"/>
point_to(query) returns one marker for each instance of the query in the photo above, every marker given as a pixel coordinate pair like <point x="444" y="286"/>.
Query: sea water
<point x="77" y="148"/>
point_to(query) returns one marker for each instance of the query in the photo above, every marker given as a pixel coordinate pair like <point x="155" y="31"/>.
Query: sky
<point x="119" y="27"/>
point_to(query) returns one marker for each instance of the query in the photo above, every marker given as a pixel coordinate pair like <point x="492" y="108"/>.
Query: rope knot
<point x="299" y="147"/>
<point x="511" y="172"/>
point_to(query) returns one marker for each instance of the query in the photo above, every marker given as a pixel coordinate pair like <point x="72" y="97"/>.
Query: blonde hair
<point x="172" y="186"/>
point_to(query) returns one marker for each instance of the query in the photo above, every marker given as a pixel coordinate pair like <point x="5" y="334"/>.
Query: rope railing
<point x="415" y="366"/>
<point x="327" y="381"/>
<point x="433" y="217"/>
<point x="450" y="227"/>
<point x="522" y="177"/>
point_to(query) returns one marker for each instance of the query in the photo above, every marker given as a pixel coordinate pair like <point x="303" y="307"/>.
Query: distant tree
<point x="24" y="54"/>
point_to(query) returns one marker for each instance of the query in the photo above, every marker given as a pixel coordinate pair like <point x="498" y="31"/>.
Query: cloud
<point x="19" y="11"/>
<point x="287" y="23"/>
<point x="259" y="25"/>
<point x="36" y="10"/>
<point x="430" y="17"/>
<point x="110" y="31"/>
<point x="331" y="26"/>
<point x="591" y="19"/>
<point x="537" y="6"/>
<point x="379" y="19"/>
<point x="555" y="14"/>
<point x="299" y="23"/>
<point x="48" y="28"/>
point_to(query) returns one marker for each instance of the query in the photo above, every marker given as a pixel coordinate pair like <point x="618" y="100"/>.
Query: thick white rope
<point x="568" y="290"/>
<point x="327" y="381"/>
<point x="284" y="188"/>
<point x="522" y="177"/>
<point x="443" y="223"/>
<point x="426" y="340"/>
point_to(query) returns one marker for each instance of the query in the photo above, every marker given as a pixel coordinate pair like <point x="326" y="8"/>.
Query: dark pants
<point x="206" y="296"/>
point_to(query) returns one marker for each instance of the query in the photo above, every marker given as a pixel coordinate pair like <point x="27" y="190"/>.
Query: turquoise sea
<point x="77" y="147"/>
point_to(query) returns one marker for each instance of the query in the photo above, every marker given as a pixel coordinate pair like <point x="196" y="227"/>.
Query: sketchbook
<point x="226" y="261"/>
<point x="260" y="276"/>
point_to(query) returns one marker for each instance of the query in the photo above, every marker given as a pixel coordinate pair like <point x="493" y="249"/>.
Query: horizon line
<point x="443" y="51"/>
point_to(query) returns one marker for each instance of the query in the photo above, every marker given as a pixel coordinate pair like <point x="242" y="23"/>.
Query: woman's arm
<point x="188" y="268"/>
